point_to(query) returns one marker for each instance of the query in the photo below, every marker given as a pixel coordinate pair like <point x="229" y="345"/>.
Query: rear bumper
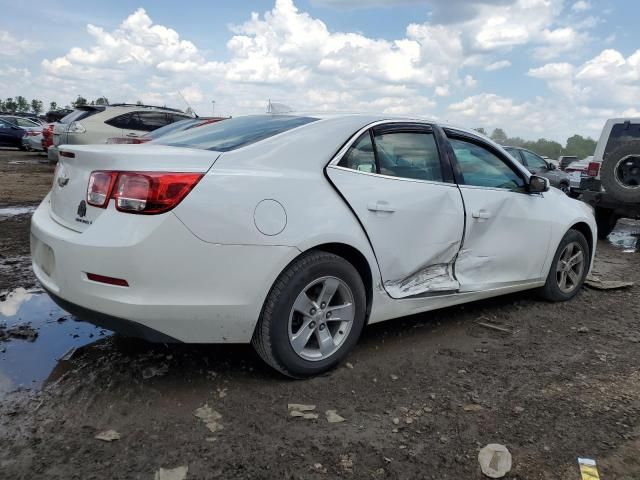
<point x="180" y="287"/>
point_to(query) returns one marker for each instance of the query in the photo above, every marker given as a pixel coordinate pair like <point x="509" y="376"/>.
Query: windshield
<point x="235" y="132"/>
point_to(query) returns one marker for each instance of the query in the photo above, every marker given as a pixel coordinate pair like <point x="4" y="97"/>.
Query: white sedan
<point x="293" y="232"/>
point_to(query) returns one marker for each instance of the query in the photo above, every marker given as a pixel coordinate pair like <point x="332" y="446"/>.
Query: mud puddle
<point x="36" y="337"/>
<point x="625" y="236"/>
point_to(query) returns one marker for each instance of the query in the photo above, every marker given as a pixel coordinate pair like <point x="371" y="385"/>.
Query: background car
<point x="565" y="160"/>
<point x="23" y="122"/>
<point x="539" y="166"/>
<point x="11" y="134"/>
<point x="293" y="232"/>
<point x="175" y="127"/>
<point x="95" y="124"/>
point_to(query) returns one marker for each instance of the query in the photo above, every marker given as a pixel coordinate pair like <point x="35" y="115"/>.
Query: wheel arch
<point x="358" y="260"/>
<point x="585" y="230"/>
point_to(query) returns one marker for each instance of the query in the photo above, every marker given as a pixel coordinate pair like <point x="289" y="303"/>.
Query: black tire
<point x="606" y="220"/>
<point x="551" y="290"/>
<point x="564" y="187"/>
<point x="271" y="336"/>
<point x="611" y="181"/>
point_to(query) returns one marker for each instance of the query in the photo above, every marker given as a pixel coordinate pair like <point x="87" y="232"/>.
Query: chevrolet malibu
<point x="294" y="232"/>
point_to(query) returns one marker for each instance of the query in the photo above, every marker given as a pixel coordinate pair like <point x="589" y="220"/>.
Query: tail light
<point x="593" y="169"/>
<point x="33" y="133"/>
<point x="128" y="141"/>
<point x="140" y="192"/>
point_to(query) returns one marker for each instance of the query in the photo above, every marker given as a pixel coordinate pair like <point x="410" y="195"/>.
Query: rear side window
<point x="234" y="133"/>
<point x="123" y="121"/>
<point x="150" y="121"/>
<point x="409" y="155"/>
<point x="360" y="155"/>
<point x="620" y="134"/>
<point x="514" y="152"/>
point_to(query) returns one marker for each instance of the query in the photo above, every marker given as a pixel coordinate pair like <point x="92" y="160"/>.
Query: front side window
<point x="360" y="155"/>
<point x="25" y="122"/>
<point x="534" y="162"/>
<point x="481" y="167"/>
<point x="409" y="155"/>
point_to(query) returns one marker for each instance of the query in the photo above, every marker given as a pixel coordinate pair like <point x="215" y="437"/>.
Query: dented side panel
<point x="507" y="238"/>
<point x="415" y="228"/>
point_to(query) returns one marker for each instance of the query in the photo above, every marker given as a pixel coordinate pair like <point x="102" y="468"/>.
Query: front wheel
<point x="312" y="316"/>
<point x="569" y="268"/>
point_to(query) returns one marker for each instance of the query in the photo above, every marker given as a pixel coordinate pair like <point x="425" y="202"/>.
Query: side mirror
<point x="538" y="184"/>
<point x="552" y="166"/>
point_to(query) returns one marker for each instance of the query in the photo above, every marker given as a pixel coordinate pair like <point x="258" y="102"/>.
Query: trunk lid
<point x="68" y="194"/>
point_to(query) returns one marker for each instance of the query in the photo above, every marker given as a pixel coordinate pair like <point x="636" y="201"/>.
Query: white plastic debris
<point x="210" y="418"/>
<point x="495" y="460"/>
<point x="108" y="436"/>
<point x="178" y="473"/>
<point x="301" y="410"/>
<point x="333" y="417"/>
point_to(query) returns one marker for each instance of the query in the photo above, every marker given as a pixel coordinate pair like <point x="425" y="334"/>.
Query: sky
<point x="536" y="68"/>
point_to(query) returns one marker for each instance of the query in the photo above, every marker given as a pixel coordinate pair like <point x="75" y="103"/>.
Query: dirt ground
<point x="420" y="395"/>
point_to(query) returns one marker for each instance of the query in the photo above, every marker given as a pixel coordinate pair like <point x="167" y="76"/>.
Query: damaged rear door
<point x="508" y="231"/>
<point x="401" y="188"/>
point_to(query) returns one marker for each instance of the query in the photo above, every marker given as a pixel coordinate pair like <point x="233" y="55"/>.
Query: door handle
<point x="132" y="135"/>
<point x="481" y="215"/>
<point x="380" y="206"/>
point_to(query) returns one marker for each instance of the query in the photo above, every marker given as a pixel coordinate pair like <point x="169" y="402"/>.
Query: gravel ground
<point x="420" y="395"/>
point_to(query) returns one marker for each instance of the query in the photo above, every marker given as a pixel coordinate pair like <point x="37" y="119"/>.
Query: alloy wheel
<point x="570" y="267"/>
<point x="321" y="318"/>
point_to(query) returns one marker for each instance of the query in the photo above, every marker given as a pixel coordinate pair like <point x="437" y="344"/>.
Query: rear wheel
<point x="568" y="269"/>
<point x="620" y="172"/>
<point x="312" y="316"/>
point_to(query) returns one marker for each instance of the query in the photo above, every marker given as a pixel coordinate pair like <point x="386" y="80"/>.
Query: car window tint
<point x="150" y="121"/>
<point x="234" y="132"/>
<point x="409" y="155"/>
<point x="620" y="134"/>
<point x="25" y="122"/>
<point x="121" y="121"/>
<point x="360" y="155"/>
<point x="514" y="152"/>
<point x="534" y="162"/>
<point x="483" y="168"/>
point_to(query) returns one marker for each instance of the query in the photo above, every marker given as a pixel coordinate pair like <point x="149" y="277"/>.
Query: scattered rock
<point x="19" y="332"/>
<point x="472" y="407"/>
<point x="333" y="417"/>
<point x="318" y="467"/>
<point x="210" y="417"/>
<point x="178" y="473"/>
<point x="495" y="460"/>
<point x="444" y="439"/>
<point x="300" y="410"/>
<point x="518" y="410"/>
<point x="583" y="330"/>
<point x="108" y="436"/>
<point x="394" y="377"/>
<point x="462" y="371"/>
<point x="349" y="365"/>
<point x="396" y="421"/>
<point x="222" y="393"/>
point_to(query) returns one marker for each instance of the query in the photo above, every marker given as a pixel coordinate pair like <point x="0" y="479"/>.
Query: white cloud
<point x="499" y="65"/>
<point x="14" y="47"/>
<point x="581" y="6"/>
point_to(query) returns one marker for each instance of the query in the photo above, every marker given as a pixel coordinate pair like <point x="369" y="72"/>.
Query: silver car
<point x="539" y="166"/>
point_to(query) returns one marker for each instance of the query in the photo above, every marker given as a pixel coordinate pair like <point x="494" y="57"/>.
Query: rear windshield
<point x="621" y="133"/>
<point x="173" y="127"/>
<point x="234" y="132"/>
<point x="80" y="114"/>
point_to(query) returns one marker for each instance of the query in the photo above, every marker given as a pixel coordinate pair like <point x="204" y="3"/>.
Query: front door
<point x="507" y="234"/>
<point x="392" y="178"/>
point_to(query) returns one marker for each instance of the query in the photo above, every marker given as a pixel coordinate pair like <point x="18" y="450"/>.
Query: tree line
<point x="576" y="145"/>
<point x="20" y="104"/>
